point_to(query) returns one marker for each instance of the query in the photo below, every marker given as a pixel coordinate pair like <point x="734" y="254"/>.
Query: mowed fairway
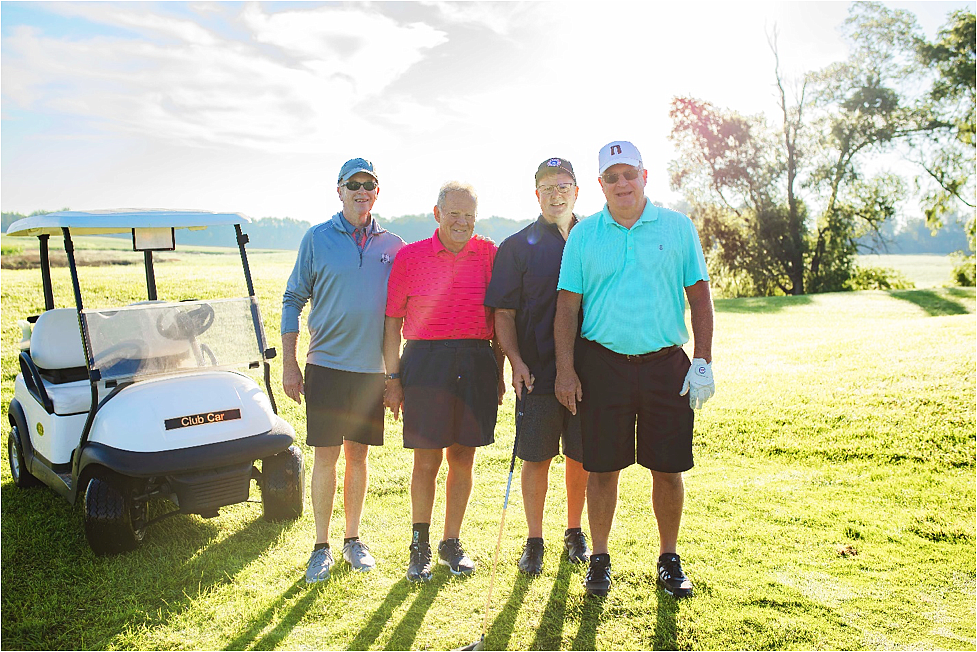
<point x="832" y="507"/>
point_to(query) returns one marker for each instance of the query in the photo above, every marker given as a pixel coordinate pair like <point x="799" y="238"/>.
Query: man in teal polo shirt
<point x="631" y="267"/>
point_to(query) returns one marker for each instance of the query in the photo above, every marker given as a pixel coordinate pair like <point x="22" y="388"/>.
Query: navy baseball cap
<point x="553" y="165"/>
<point x="354" y="165"/>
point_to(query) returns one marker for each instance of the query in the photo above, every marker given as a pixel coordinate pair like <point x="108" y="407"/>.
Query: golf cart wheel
<point x="113" y="516"/>
<point x="18" y="465"/>
<point x="283" y="485"/>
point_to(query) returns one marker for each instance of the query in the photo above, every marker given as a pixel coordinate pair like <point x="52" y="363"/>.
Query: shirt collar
<point x="341" y="223"/>
<point x="542" y="223"/>
<point x="437" y="246"/>
<point x="649" y="214"/>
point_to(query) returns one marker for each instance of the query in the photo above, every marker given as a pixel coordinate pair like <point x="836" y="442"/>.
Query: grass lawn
<point x="832" y="506"/>
<point x="924" y="270"/>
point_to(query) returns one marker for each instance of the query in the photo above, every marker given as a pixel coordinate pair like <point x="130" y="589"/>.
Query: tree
<point x="784" y="210"/>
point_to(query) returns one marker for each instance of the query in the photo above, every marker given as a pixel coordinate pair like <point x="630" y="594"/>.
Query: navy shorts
<point x="620" y="394"/>
<point x="544" y="423"/>
<point x="343" y="405"/>
<point x="450" y="393"/>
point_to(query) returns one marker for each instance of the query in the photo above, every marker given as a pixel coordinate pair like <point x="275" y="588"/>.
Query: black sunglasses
<point x="612" y="178"/>
<point x="368" y="186"/>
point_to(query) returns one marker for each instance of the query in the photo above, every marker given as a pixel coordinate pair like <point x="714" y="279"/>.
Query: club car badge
<point x="201" y="419"/>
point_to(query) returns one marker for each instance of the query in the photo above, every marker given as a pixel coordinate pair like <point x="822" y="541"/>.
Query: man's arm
<point x="500" y="364"/>
<point x="505" y="332"/>
<point x="291" y="373"/>
<point x="700" y="306"/>
<point x="393" y="393"/>
<point x="568" y="388"/>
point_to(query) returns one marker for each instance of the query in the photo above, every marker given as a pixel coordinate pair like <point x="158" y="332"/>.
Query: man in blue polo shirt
<point x="523" y="292"/>
<point x="631" y="267"/>
<point x="342" y="265"/>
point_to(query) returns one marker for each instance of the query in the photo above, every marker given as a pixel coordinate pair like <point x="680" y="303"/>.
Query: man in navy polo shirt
<point x="342" y="266"/>
<point x="632" y="266"/>
<point x="523" y="292"/>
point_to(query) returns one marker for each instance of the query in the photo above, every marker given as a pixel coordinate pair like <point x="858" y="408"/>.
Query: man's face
<point x="624" y="195"/>
<point x="456" y="222"/>
<point x="555" y="204"/>
<point x="358" y="203"/>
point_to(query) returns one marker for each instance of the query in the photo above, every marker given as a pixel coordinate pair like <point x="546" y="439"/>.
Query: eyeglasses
<point x="368" y="186"/>
<point x="629" y="175"/>
<point x="562" y="188"/>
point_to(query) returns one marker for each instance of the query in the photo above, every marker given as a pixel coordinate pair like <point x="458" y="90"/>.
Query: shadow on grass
<point x="586" y="638"/>
<point x="500" y="631"/>
<point x="381" y="616"/>
<point x="666" y="631"/>
<point x="936" y="303"/>
<point x="44" y="546"/>
<point x="406" y="630"/>
<point x="549" y="632"/>
<point x="287" y="623"/>
<point x="760" y="305"/>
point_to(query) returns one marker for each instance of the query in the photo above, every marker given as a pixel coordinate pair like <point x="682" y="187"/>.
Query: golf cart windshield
<point x="160" y="338"/>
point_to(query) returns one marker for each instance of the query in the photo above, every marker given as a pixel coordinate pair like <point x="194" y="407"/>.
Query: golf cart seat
<point x="57" y="363"/>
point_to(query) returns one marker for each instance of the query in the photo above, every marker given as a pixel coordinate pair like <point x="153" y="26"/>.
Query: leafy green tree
<point x="784" y="209"/>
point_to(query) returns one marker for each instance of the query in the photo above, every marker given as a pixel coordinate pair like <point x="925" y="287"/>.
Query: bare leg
<point x="602" y="497"/>
<point x="458" y="488"/>
<point x="423" y="483"/>
<point x="323" y="489"/>
<point x="534" y="484"/>
<point x="668" y="499"/>
<point x="576" y="482"/>
<point x="354" y="485"/>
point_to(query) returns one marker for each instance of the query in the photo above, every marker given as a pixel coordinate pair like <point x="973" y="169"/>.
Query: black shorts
<point x="343" y="405"/>
<point x="544" y="423"/>
<point x="617" y="393"/>
<point x="450" y="393"/>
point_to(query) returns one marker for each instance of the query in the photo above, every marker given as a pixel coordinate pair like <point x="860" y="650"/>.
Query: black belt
<point x="449" y="344"/>
<point x="641" y="357"/>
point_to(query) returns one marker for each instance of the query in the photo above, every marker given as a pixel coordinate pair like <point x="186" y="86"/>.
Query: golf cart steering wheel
<point x="185" y="324"/>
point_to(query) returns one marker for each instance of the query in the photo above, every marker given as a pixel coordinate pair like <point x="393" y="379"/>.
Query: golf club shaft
<point x="505" y="505"/>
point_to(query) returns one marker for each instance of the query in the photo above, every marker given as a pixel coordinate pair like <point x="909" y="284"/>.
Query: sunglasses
<point x="629" y="175"/>
<point x="368" y="186"/>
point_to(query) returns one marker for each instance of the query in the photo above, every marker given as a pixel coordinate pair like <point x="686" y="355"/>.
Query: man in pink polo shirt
<point x="449" y="380"/>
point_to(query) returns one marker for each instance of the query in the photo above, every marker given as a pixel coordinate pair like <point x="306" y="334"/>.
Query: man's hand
<point x="292" y="382"/>
<point x="393" y="397"/>
<point x="699" y="384"/>
<point x="521" y="377"/>
<point x="568" y="390"/>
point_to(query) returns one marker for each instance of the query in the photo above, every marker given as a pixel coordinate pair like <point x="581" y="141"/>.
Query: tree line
<point x="785" y="208"/>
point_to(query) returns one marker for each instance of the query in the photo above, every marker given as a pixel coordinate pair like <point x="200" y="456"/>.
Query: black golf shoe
<point x="419" y="568"/>
<point x="575" y="543"/>
<point x="671" y="576"/>
<point x="531" y="562"/>
<point x="598" y="580"/>
<point x="452" y="555"/>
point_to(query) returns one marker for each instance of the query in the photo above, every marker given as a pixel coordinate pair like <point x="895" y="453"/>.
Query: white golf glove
<point x="699" y="381"/>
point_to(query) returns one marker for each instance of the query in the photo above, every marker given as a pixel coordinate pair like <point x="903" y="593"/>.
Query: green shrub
<point x="878" y="278"/>
<point x="11" y="249"/>
<point x="964" y="271"/>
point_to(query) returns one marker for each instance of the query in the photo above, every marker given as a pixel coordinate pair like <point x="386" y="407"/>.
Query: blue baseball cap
<point x="553" y="165"/>
<point x="354" y="165"/>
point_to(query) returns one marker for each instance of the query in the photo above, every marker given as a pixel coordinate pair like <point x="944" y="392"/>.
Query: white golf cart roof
<point x="119" y="221"/>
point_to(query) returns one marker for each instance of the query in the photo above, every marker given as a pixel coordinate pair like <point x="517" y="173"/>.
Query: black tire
<point x="112" y="516"/>
<point x="283" y="485"/>
<point x="18" y="465"/>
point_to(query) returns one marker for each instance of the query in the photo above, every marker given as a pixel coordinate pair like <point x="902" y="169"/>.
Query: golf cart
<point x="148" y="401"/>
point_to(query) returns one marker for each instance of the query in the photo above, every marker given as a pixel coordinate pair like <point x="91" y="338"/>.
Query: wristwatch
<point x="393" y="376"/>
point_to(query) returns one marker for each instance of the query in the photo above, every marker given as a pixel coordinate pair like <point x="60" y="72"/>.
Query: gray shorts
<point x="544" y="422"/>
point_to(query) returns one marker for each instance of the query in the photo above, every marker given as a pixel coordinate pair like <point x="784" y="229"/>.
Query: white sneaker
<point x="358" y="556"/>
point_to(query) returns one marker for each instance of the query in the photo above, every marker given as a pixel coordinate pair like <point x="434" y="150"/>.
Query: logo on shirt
<point x="661" y="247"/>
<point x="385" y="259"/>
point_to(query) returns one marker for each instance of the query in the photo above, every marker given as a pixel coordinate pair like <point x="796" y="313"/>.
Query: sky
<point x="253" y="107"/>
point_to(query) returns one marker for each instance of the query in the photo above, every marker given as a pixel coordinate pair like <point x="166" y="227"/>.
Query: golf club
<point x="480" y="644"/>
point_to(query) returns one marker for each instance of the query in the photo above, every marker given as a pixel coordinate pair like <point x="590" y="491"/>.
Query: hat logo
<point x="553" y="162"/>
<point x="615" y="149"/>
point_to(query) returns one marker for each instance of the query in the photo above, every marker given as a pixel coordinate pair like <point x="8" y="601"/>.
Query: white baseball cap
<point x="619" y="151"/>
